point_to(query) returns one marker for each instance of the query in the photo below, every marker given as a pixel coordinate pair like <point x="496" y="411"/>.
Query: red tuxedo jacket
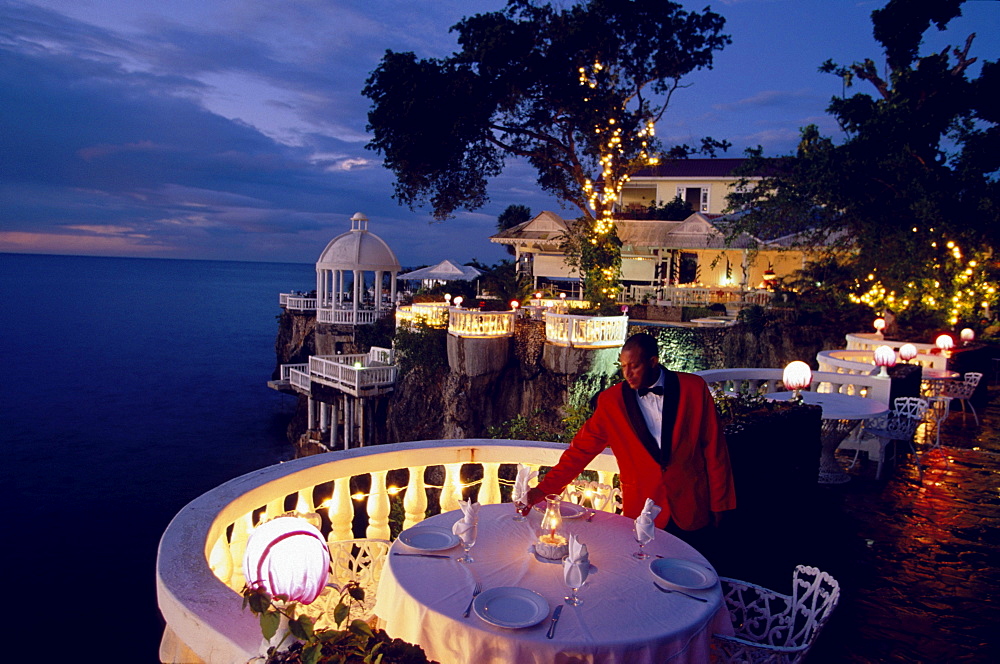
<point x="696" y="478"/>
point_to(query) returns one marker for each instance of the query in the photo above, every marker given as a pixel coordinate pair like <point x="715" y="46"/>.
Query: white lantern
<point x="879" y="325"/>
<point x="447" y="297"/>
<point x="907" y="352"/>
<point x="944" y="342"/>
<point x="796" y="377"/>
<point x="884" y="357"/>
<point x="514" y="304"/>
<point x="287" y="556"/>
<point x="967" y="335"/>
<point x="458" y="301"/>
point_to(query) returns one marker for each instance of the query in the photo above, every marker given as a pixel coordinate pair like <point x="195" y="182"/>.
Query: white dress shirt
<point x="651" y="406"/>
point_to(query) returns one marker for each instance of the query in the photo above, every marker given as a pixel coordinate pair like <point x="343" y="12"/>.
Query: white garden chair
<point x="899" y="424"/>
<point x="962" y="391"/>
<point x="774" y="628"/>
<point x="358" y="560"/>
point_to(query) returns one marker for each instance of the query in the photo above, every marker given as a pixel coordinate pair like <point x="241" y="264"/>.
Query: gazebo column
<point x="358" y="284"/>
<point x="378" y="292"/>
<point x="392" y="289"/>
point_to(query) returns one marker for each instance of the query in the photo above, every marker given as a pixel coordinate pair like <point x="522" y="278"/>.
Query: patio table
<point x="841" y="414"/>
<point x="623" y="618"/>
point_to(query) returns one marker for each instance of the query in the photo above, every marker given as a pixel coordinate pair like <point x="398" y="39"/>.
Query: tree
<point x="576" y="92"/>
<point x="912" y="190"/>
<point x="510" y="217"/>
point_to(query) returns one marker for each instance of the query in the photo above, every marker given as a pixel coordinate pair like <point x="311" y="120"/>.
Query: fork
<point x="679" y="592"/>
<point x="475" y="591"/>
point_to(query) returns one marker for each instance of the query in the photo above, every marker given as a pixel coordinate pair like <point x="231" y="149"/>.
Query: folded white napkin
<point x="524" y="475"/>
<point x="576" y="566"/>
<point x="644" y="522"/>
<point x="465" y="526"/>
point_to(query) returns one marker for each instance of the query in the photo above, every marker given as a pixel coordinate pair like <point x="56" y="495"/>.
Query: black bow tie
<point x="656" y="389"/>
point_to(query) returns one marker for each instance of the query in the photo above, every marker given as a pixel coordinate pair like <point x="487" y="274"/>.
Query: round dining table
<point x="841" y="415"/>
<point x="624" y="616"/>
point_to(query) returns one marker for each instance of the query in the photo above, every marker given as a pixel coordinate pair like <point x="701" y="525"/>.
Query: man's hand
<point x="535" y="495"/>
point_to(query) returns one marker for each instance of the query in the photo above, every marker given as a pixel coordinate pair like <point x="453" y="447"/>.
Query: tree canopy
<point x="912" y="189"/>
<point x="574" y="91"/>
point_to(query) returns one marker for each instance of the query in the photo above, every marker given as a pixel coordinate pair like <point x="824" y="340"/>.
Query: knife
<point x="421" y="555"/>
<point x="555" y="619"/>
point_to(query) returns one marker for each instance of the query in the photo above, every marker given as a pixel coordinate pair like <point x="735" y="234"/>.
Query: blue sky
<point x="235" y="129"/>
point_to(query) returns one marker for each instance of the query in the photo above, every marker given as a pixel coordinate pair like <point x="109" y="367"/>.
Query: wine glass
<point x="519" y="506"/>
<point x="574" y="576"/>
<point x="468" y="540"/>
<point x="643" y="537"/>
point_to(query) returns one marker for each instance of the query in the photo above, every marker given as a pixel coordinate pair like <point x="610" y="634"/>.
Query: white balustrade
<point x="300" y="378"/>
<point x="480" y="324"/>
<point x="928" y="355"/>
<point x="296" y="302"/>
<point x="349" y="372"/>
<point x="433" y="314"/>
<point x="347" y="316"/>
<point x="199" y="563"/>
<point x="764" y="380"/>
<point x="286" y="370"/>
<point x="585" y="331"/>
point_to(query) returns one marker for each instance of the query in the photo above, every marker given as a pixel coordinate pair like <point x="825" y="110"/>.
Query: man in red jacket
<point x="664" y="432"/>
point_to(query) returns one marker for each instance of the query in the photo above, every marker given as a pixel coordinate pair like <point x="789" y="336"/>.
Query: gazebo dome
<point x="358" y="249"/>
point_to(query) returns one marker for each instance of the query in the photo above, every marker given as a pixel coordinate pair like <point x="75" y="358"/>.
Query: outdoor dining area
<point x="433" y="534"/>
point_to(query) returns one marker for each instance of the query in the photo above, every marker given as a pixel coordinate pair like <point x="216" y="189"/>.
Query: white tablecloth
<point x="623" y="619"/>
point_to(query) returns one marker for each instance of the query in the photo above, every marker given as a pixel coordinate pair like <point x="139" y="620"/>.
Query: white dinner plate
<point x="428" y="539"/>
<point x="511" y="607"/>
<point x="567" y="509"/>
<point x="682" y="574"/>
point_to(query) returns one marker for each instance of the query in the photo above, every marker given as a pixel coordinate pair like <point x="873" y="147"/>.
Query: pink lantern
<point x="967" y="335"/>
<point x="287" y="556"/>
<point x="944" y="342"/>
<point x="907" y="352"/>
<point x="884" y="357"/>
<point x="796" y="377"/>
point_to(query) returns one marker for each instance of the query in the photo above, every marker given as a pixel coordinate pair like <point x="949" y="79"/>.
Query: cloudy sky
<point x="235" y="129"/>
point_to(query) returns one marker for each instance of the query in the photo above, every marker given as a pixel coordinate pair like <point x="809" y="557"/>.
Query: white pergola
<point x="356" y="252"/>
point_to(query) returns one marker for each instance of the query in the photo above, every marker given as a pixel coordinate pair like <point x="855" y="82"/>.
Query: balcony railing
<point x="585" y="331"/>
<point x="480" y="324"/>
<point x="434" y="314"/>
<point x="199" y="562"/>
<point x="928" y="355"/>
<point x="347" y="316"/>
<point x="297" y="302"/>
<point x="353" y="374"/>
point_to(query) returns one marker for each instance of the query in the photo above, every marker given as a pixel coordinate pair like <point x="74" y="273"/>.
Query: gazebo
<point x="346" y="301"/>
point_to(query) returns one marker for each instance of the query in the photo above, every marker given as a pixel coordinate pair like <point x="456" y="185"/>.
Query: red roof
<point x="692" y="168"/>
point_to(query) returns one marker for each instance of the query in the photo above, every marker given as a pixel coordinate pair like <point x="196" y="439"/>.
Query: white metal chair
<point x="899" y="424"/>
<point x="775" y="628"/>
<point x="359" y="560"/>
<point x="962" y="391"/>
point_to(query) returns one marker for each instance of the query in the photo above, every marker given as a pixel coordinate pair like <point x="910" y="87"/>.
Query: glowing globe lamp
<point x="514" y="304"/>
<point x="458" y="301"/>
<point x="884" y="357"/>
<point x="967" y="335"/>
<point x="944" y="342"/>
<point x="796" y="377"/>
<point x="907" y="352"/>
<point x="287" y="556"/>
<point x="879" y="325"/>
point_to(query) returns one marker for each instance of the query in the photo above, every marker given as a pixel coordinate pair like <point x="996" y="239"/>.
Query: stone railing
<point x="928" y="355"/>
<point x="347" y="316"/>
<point x="297" y="302"/>
<point x="199" y="562"/>
<point x="469" y="323"/>
<point x="434" y="314"/>
<point x="350" y="373"/>
<point x="762" y="381"/>
<point x="585" y="331"/>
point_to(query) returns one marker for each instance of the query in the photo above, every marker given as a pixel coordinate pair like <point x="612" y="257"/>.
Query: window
<point x="696" y="197"/>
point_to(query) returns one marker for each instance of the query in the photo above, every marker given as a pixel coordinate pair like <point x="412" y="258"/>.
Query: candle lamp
<point x="551" y="543"/>
<point x="879" y="325"/>
<point x="796" y="377"/>
<point x="885" y="357"/>
<point x="907" y="352"/>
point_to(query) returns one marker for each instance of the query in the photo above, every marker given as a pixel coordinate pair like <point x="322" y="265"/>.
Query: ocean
<point x="131" y="387"/>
